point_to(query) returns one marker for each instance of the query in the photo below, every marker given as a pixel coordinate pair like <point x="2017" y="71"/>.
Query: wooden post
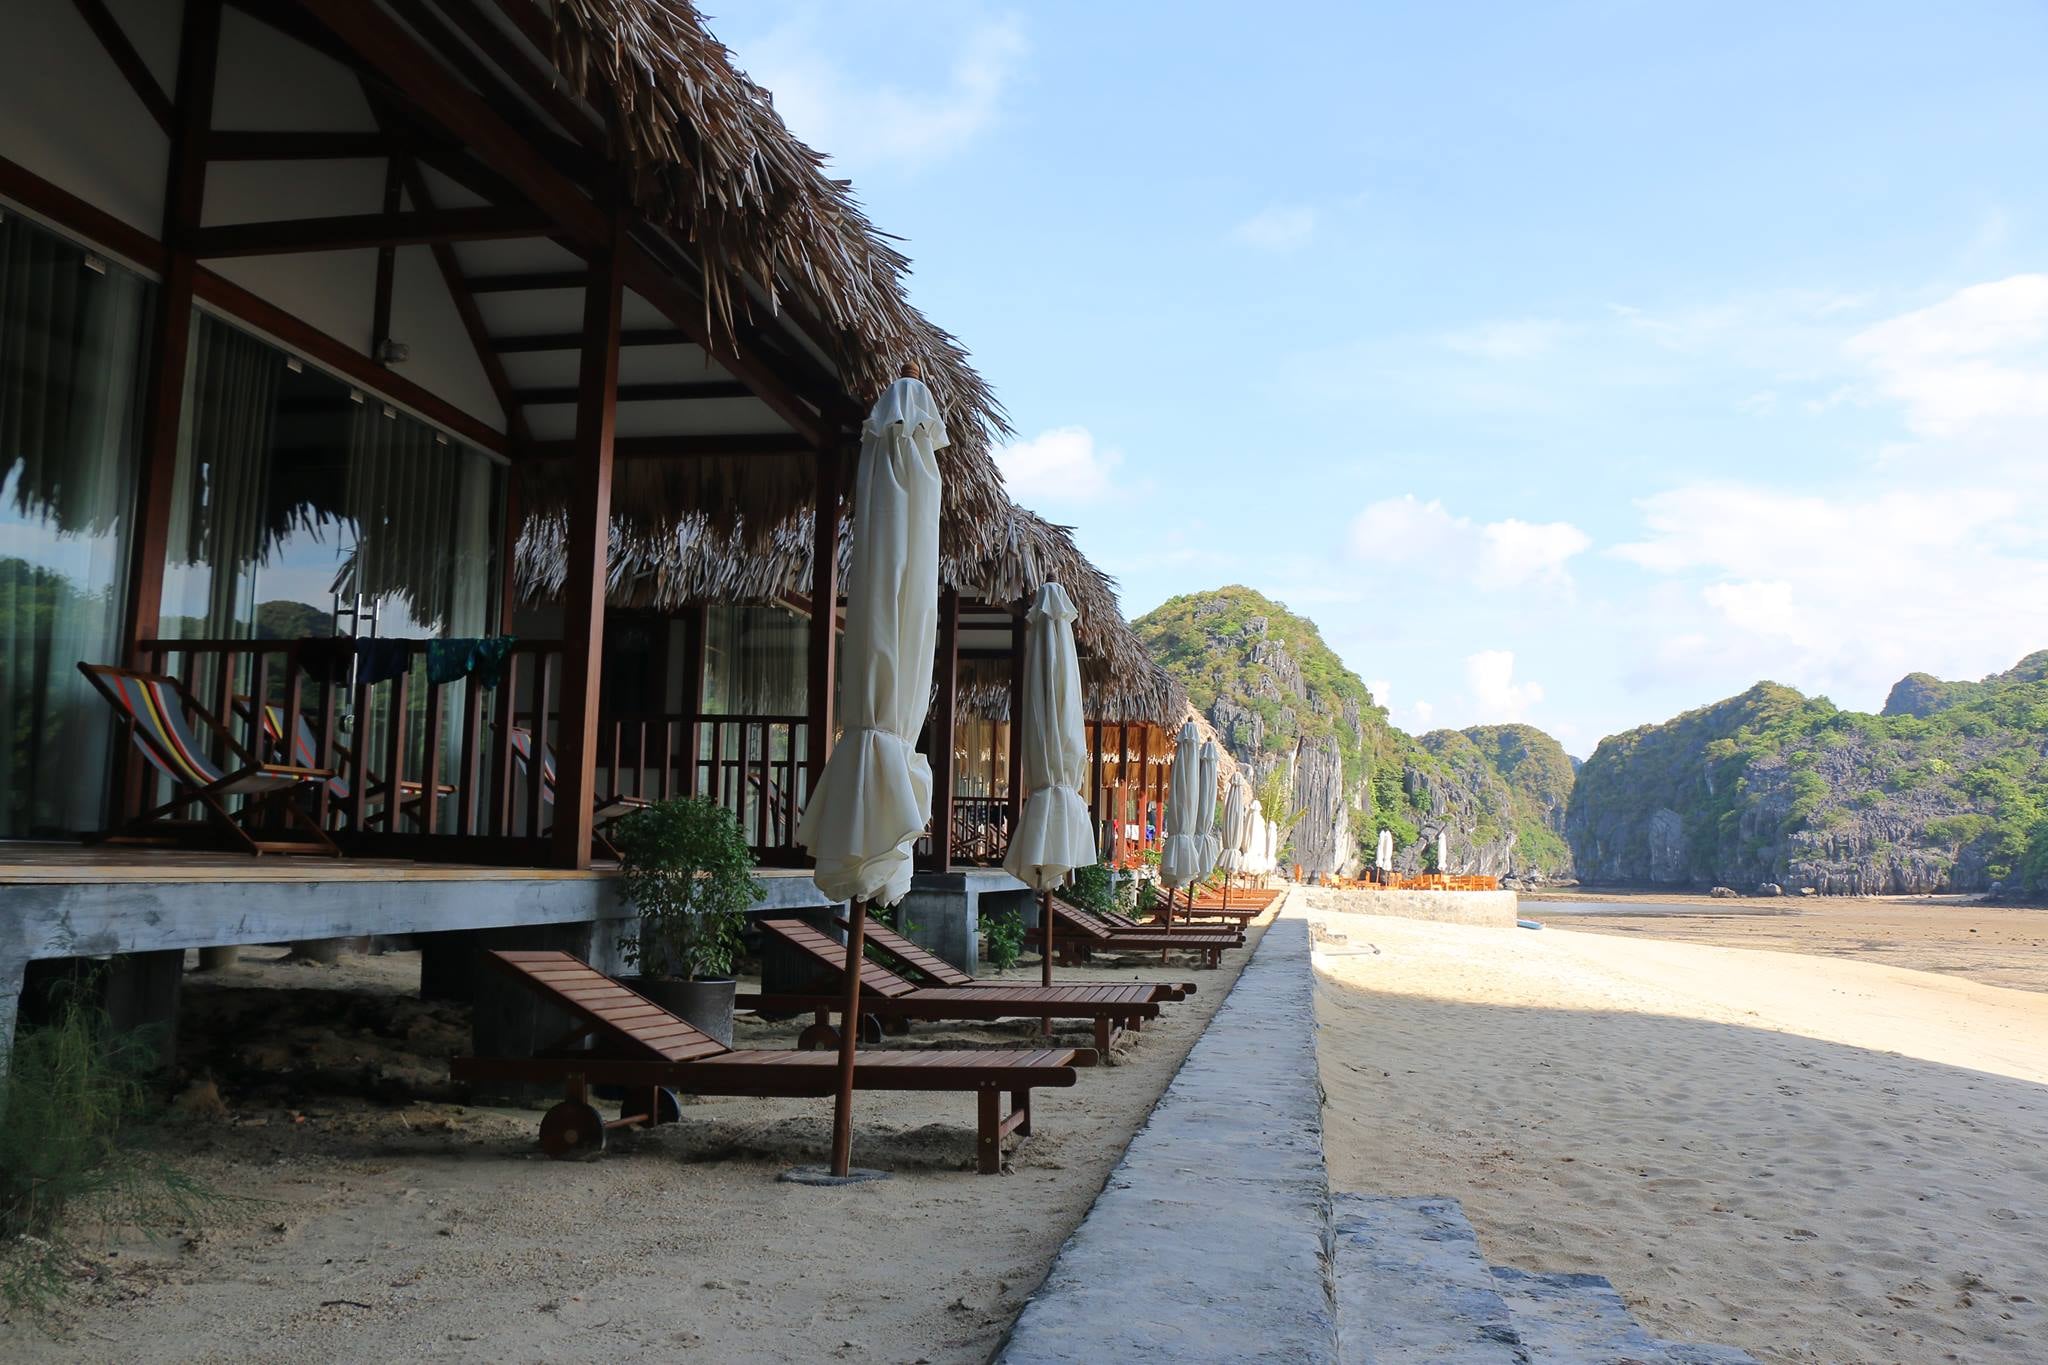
<point x="1015" y="794"/>
<point x="849" y="1038"/>
<point x="693" y="702"/>
<point x="946" y="675"/>
<point x="589" y="551"/>
<point x="170" y="344"/>
<point x="824" y="641"/>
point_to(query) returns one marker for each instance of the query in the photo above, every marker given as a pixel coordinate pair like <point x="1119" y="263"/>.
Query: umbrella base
<point x="822" y="1175"/>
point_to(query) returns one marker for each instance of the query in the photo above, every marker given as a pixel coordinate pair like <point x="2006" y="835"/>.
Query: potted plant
<point x="685" y="866"/>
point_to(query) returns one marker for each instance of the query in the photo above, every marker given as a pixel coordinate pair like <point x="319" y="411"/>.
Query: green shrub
<point x="1002" y="938"/>
<point x="686" y="867"/>
<point x="74" y="1103"/>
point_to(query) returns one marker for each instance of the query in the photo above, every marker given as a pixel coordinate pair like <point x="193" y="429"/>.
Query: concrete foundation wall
<point x="1497" y="908"/>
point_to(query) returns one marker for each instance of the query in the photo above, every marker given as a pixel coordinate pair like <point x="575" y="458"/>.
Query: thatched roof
<point x="698" y="563"/>
<point x="710" y="160"/>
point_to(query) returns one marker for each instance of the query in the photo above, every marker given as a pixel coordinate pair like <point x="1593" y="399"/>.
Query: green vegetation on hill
<point x="1284" y="702"/>
<point x="1945" y="791"/>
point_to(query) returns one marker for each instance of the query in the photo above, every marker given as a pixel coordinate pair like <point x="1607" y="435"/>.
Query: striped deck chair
<point x="305" y="753"/>
<point x="159" y="712"/>
<point x="607" y="808"/>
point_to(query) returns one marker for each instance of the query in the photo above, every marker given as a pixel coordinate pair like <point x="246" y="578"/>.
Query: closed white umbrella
<point x="1272" y="845"/>
<point x="1205" y="808"/>
<point x="1255" y="838"/>
<point x="1383" y="858"/>
<point x="874" y="798"/>
<point x="1443" y="852"/>
<point x="1053" y="834"/>
<point x="1237" y="808"/>
<point x="1181" y="860"/>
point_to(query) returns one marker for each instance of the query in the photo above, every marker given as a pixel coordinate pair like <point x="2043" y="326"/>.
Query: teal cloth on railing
<point x="480" y="658"/>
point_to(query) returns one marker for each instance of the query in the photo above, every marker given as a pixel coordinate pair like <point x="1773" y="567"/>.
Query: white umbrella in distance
<point x="1053" y="835"/>
<point x="1443" y="853"/>
<point x="1181" y="860"/>
<point x="1205" y="808"/>
<point x="874" y="798"/>
<point x="1255" y="838"/>
<point x="1383" y="858"/>
<point x="1236" y="814"/>
<point x="1272" y="846"/>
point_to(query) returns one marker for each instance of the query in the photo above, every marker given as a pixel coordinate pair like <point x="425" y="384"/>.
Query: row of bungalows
<point x="520" y="343"/>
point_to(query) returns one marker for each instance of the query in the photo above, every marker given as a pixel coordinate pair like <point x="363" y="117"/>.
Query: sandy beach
<point x="1813" y="1158"/>
<point x="427" y="1230"/>
<point x="1996" y="945"/>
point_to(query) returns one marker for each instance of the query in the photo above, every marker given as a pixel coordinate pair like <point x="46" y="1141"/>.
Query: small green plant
<point x="75" y="1103"/>
<point x="1090" y="888"/>
<point x="685" y="866"/>
<point x="1002" y="938"/>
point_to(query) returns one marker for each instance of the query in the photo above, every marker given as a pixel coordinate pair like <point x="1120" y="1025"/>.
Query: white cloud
<point x="1382" y="690"/>
<point x="1978" y="356"/>
<point x="1512" y="553"/>
<point x="1060" y="466"/>
<point x="1495" y="556"/>
<point x="905" y="118"/>
<point x="1496" y="697"/>
<point x="1424" y="713"/>
<point x="1282" y="227"/>
<point x="1760" y="608"/>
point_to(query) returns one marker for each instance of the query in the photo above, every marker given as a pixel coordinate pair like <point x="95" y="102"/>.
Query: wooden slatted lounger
<point x="1077" y="932"/>
<point x="654" y="1054"/>
<point x="927" y="968"/>
<point x="892" y="1000"/>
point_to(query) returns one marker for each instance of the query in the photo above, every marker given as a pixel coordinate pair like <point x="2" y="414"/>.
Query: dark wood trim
<point x="537" y="82"/>
<point x="1014" y="796"/>
<point x="77" y="217"/>
<point x="946" y="688"/>
<point x="689" y="447"/>
<point x="823" y="654"/>
<point x="387" y="262"/>
<point x="699" y="618"/>
<point x="260" y="144"/>
<point x="356" y="232"/>
<point x="133" y="69"/>
<point x="588" y="554"/>
<point x="521" y="281"/>
<point x="688" y="391"/>
<point x="345" y="360"/>
<point x="529" y="342"/>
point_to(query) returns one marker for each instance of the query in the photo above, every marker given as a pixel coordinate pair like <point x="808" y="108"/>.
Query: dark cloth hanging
<point x="328" y="659"/>
<point x="482" y="659"/>
<point x="381" y="660"/>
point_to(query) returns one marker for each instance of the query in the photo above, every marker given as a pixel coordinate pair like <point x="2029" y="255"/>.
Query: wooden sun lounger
<point x="1077" y="932"/>
<point x="635" y="1043"/>
<point x="927" y="968"/>
<point x="894" y="1001"/>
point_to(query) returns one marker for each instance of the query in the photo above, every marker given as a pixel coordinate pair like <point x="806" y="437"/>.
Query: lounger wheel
<point x="668" y="1106"/>
<point x="572" y="1131"/>
<point x="870" y="1028"/>
<point x="896" y="1025"/>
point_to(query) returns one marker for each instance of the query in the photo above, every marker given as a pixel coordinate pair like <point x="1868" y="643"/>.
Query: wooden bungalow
<point x="308" y="310"/>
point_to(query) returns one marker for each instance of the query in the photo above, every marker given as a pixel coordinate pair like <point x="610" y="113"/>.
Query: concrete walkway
<point x="1210" y="1241"/>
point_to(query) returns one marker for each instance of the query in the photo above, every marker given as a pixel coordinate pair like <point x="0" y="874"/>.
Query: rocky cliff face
<point x="1943" y="791"/>
<point x="1323" y="754"/>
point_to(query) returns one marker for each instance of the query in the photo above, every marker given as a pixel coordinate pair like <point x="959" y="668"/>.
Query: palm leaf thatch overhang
<point x="696" y="562"/>
<point x="708" y="161"/>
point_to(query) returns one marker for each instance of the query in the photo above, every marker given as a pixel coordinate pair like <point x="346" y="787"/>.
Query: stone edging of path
<point x="1211" y="1239"/>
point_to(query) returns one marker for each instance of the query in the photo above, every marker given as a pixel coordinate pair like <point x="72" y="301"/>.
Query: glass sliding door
<point x="72" y="341"/>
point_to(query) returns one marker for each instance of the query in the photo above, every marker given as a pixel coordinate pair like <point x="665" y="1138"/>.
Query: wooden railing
<point x="413" y="759"/>
<point x="754" y="766"/>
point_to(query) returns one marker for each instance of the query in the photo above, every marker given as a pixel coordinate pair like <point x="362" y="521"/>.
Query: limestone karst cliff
<point x="1324" y="755"/>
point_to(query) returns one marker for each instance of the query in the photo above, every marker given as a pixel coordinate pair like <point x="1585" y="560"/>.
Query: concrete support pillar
<point x="324" y="951"/>
<point x="214" y="959"/>
<point x="12" y="971"/>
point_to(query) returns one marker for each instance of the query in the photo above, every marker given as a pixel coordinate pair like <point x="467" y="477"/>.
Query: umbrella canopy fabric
<point x="1205" y="808"/>
<point x="874" y="798"/>
<point x="1443" y="852"/>
<point x="1237" y="811"/>
<point x="1383" y="858"/>
<point x="1054" y="835"/>
<point x="1181" y="861"/>
<point x="1272" y="845"/>
<point x="1255" y="838"/>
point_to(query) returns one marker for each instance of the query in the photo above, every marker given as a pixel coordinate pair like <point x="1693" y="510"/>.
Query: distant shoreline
<point x="1665" y="895"/>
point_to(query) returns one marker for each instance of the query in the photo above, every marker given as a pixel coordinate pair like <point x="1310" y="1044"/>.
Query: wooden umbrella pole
<point x="1045" y="952"/>
<point x="849" y="1037"/>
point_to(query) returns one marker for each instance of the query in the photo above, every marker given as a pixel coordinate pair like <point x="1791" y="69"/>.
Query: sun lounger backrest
<point x="522" y="749"/>
<point x="1082" y="921"/>
<point x="915" y="957"/>
<point x="157" y="707"/>
<point x="305" y="750"/>
<point x="830" y="954"/>
<point x="628" y="1017"/>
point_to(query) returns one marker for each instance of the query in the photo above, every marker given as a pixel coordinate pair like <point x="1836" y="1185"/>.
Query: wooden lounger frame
<point x="1077" y="932"/>
<point x="893" y="1002"/>
<point x="918" y="963"/>
<point x="622" y="1038"/>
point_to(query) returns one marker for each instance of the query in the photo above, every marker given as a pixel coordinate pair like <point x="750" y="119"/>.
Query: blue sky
<point x="1574" y="363"/>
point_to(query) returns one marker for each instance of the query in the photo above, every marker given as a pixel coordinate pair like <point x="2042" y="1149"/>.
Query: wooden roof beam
<point x="256" y="144"/>
<point x="519" y="282"/>
<point x="691" y="447"/>
<point x="568" y="341"/>
<point x="355" y="232"/>
<point x="133" y="69"/>
<point x="684" y="392"/>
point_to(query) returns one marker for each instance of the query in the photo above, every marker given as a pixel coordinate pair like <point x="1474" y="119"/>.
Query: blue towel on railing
<point x="382" y="660"/>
